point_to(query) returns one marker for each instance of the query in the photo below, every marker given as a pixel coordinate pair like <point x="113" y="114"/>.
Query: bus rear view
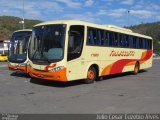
<point x="18" y="50"/>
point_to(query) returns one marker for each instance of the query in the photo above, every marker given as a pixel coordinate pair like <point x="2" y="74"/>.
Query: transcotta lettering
<point x="122" y="53"/>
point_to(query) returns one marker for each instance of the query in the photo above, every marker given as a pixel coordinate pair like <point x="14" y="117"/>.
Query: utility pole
<point x="22" y="21"/>
<point x="23" y="15"/>
<point x="128" y="12"/>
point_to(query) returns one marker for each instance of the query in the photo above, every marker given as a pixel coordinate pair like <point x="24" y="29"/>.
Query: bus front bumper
<point x="18" y="68"/>
<point x="48" y="75"/>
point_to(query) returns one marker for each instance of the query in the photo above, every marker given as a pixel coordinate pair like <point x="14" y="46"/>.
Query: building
<point x="4" y="46"/>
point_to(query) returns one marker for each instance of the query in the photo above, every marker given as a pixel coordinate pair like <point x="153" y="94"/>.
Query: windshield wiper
<point x="42" y="55"/>
<point x="34" y="54"/>
<point x="46" y="57"/>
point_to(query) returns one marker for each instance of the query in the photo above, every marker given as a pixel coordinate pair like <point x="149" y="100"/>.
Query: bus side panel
<point x="107" y="62"/>
<point x="144" y="57"/>
<point x="75" y="69"/>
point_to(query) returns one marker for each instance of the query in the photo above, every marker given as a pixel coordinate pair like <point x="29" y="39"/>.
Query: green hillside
<point x="150" y="29"/>
<point x="8" y="24"/>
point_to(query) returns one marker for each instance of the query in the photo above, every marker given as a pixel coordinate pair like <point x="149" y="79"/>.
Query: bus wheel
<point x="91" y="75"/>
<point x="136" y="68"/>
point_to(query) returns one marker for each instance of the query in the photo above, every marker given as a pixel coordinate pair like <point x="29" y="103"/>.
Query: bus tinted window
<point x="143" y="43"/>
<point x="95" y="37"/>
<point x="149" y="44"/>
<point x="131" y="41"/>
<point x="123" y="40"/>
<point x="92" y="38"/>
<point x="113" y="39"/>
<point x="137" y="42"/>
<point x="99" y="37"/>
<point x="140" y="43"/>
<point x="100" y="40"/>
<point x="107" y="36"/>
<point x="126" y="40"/>
<point x="116" y="39"/>
<point x="134" y="42"/>
<point x="75" y="42"/>
<point x="146" y="44"/>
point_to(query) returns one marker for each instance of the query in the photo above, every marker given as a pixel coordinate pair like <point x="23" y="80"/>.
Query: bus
<point x="17" y="57"/>
<point x="4" y="50"/>
<point x="67" y="50"/>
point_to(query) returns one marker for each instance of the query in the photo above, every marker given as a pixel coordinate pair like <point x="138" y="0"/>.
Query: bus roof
<point x="22" y="30"/>
<point x="99" y="26"/>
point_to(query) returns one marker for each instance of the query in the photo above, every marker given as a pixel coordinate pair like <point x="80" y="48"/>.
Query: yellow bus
<point x="3" y="57"/>
<point x="4" y="50"/>
<point x="17" y="57"/>
<point x="67" y="50"/>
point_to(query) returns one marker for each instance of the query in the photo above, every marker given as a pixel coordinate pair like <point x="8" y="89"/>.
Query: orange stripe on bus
<point x="118" y="66"/>
<point x="143" y="55"/>
<point x="21" y="68"/>
<point x="131" y="63"/>
<point x="106" y="70"/>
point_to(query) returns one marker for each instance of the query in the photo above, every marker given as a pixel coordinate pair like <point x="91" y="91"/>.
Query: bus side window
<point x="150" y="44"/>
<point x="100" y="40"/>
<point x="75" y="42"/>
<point x="122" y="40"/>
<point x="107" y="38"/>
<point x="116" y="39"/>
<point x="131" y="41"/>
<point x="112" y="39"/>
<point x="134" y="42"/>
<point x="137" y="42"/>
<point x="146" y="43"/>
<point x="127" y="41"/>
<point x="140" y="43"/>
<point x="143" y="43"/>
<point x="92" y="39"/>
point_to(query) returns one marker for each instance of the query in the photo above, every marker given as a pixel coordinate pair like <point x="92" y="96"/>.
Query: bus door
<point x="75" y="47"/>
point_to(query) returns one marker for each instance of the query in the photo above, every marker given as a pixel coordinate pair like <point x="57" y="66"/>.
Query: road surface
<point x="125" y="93"/>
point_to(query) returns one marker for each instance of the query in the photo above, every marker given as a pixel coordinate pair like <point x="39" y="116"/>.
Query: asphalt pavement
<point x="124" y="93"/>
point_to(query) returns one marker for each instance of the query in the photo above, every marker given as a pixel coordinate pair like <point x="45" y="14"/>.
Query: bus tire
<point x="136" y="68"/>
<point x="91" y="75"/>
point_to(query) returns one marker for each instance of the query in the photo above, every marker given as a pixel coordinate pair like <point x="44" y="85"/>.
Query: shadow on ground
<point x="121" y="75"/>
<point x="55" y="83"/>
<point x="19" y="74"/>
<point x="76" y="82"/>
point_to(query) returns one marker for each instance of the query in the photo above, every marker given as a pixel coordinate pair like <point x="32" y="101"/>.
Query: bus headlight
<point x="57" y="68"/>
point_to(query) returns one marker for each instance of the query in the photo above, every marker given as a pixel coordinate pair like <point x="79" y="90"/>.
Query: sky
<point x="116" y="12"/>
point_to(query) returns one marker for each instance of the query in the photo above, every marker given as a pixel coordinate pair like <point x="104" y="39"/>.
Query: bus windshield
<point x="47" y="43"/>
<point x="18" y="46"/>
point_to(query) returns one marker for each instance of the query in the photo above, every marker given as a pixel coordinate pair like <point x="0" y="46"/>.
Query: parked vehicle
<point x="68" y="50"/>
<point x="18" y="50"/>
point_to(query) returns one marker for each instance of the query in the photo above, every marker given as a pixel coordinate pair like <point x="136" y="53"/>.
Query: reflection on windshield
<point x="47" y="43"/>
<point x="18" y="46"/>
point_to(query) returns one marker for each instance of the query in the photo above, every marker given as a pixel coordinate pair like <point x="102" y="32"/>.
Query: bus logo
<point x="122" y="53"/>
